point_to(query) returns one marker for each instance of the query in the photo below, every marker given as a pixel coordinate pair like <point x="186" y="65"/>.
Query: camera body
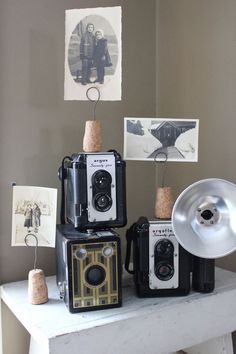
<point x="95" y="190"/>
<point x="161" y="267"/>
<point x="88" y="268"/>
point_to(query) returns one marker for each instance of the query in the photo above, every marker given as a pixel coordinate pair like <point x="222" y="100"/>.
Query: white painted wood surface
<point x="155" y="325"/>
<point x="1" y="328"/>
<point x="219" y="345"/>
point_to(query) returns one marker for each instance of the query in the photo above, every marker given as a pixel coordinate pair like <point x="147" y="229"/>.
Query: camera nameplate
<point x="96" y="163"/>
<point x="158" y="231"/>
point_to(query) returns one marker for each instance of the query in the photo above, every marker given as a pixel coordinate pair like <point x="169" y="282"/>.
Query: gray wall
<point x="38" y="127"/>
<point x="196" y="77"/>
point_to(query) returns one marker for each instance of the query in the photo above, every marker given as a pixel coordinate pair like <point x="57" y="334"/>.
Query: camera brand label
<point x="162" y="232"/>
<point x="163" y="256"/>
<point x="97" y="163"/>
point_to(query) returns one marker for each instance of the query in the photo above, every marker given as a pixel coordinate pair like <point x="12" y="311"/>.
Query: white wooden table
<point x="140" y="326"/>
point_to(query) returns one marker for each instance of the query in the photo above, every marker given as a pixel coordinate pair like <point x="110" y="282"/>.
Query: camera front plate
<point x="95" y="163"/>
<point x="161" y="231"/>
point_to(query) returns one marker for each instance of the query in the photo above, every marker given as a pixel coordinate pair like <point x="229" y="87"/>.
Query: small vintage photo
<point x="93" y="52"/>
<point x="34" y="213"/>
<point x="161" y="139"/>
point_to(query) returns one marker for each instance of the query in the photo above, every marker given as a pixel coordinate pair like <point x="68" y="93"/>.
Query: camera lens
<point x="107" y="251"/>
<point x="164" y="271"/>
<point x="102" y="202"/>
<point x="95" y="275"/>
<point x="164" y="248"/>
<point x="81" y="254"/>
<point x="102" y="179"/>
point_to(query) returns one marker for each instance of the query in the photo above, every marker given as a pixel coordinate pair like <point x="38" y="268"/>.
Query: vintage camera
<point x="161" y="267"/>
<point x="88" y="268"/>
<point x="93" y="190"/>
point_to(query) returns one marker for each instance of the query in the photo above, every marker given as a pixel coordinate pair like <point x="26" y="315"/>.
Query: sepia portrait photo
<point x="34" y="213"/>
<point x="161" y="138"/>
<point x="93" y="53"/>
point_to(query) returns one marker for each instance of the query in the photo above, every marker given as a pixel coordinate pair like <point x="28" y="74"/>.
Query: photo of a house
<point x="153" y="138"/>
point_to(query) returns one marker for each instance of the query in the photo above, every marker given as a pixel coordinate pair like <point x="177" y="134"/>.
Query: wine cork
<point x="92" y="141"/>
<point x="164" y="203"/>
<point x="37" y="287"/>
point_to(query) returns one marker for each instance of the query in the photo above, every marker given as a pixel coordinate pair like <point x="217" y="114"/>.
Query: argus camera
<point x="93" y="190"/>
<point x="88" y="268"/>
<point x="161" y="267"/>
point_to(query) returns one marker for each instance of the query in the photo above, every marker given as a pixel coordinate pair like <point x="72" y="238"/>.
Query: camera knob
<point x="62" y="173"/>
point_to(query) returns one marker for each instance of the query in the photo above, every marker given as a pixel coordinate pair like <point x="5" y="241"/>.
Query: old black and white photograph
<point x="34" y="213"/>
<point x="161" y="139"/>
<point x="93" y="53"/>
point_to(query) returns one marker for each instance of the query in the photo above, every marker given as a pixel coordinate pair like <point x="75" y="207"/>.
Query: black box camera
<point x="161" y="267"/>
<point x="88" y="268"/>
<point x="93" y="190"/>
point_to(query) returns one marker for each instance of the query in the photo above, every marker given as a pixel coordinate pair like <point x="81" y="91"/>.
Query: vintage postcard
<point x="158" y="139"/>
<point x="34" y="213"/>
<point x="93" y="53"/>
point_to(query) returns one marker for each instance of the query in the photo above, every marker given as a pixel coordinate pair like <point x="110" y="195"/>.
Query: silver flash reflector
<point x="204" y="218"/>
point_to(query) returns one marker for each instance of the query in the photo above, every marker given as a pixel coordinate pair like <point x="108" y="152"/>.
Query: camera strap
<point x="62" y="176"/>
<point x="129" y="238"/>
